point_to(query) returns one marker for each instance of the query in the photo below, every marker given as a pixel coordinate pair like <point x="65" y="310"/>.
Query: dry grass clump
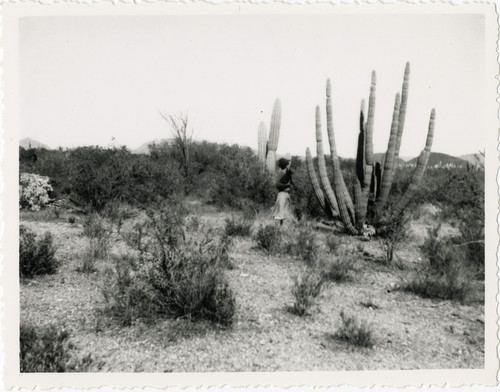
<point x="49" y="349"/>
<point x="304" y="244"/>
<point x="339" y="268"/>
<point x="238" y="227"/>
<point x="306" y="288"/>
<point x="98" y="232"/>
<point x="354" y="331"/>
<point x="268" y="238"/>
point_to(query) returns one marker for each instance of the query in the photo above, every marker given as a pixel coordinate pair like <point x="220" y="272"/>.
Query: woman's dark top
<point x="284" y="181"/>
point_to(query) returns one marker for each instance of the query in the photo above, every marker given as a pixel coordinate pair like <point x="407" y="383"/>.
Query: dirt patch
<point x="410" y="332"/>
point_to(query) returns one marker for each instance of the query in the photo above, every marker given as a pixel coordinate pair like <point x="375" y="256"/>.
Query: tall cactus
<point x="267" y="146"/>
<point x="262" y="144"/>
<point x="372" y="185"/>
<point x="390" y="155"/>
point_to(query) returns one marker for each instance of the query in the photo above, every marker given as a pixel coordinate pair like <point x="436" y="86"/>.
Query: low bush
<point x="99" y="234"/>
<point x="36" y="256"/>
<point x="33" y="191"/>
<point x="268" y="238"/>
<point x="355" y="332"/>
<point x="339" y="268"/>
<point x="306" y="288"/>
<point x="49" y="349"/>
<point x="304" y="245"/>
<point x="391" y="235"/>
<point x="333" y="243"/>
<point x="238" y="227"/>
<point x="181" y="275"/>
<point x="93" y="251"/>
<point x="446" y="274"/>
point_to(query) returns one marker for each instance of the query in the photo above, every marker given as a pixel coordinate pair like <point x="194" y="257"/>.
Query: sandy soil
<point x="410" y="332"/>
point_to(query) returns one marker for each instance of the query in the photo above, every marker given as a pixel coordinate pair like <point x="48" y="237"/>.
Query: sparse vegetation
<point x="304" y="244"/>
<point x="306" y="288"/>
<point x="391" y="236"/>
<point x="339" y="268"/>
<point x="180" y="276"/>
<point x="354" y="331"/>
<point x="268" y="238"/>
<point x="49" y="349"/>
<point x="36" y="255"/>
<point x="446" y="273"/>
<point x="238" y="227"/>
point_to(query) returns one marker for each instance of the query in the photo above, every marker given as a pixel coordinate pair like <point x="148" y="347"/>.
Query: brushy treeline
<point x="95" y="176"/>
<point x="227" y="176"/>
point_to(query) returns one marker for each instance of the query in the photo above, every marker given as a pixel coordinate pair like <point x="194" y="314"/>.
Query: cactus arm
<point x="358" y="205"/>
<point x="345" y="205"/>
<point x="274" y="130"/>
<point x="389" y="160"/>
<point x="341" y="189"/>
<point x="274" y="134"/>
<point x="360" y="156"/>
<point x="317" y="187"/>
<point x="262" y="143"/>
<point x="365" y="185"/>
<point x="323" y="175"/>
<point x="369" y="123"/>
<point x="377" y="179"/>
<point x="402" y="109"/>
<point x="418" y="174"/>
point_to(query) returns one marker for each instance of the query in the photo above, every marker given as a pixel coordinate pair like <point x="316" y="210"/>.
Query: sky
<point x="88" y="80"/>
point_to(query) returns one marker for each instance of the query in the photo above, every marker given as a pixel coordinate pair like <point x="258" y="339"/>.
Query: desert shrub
<point x="306" y="288"/>
<point x="333" y="243"/>
<point x="49" y="349"/>
<point x="72" y="220"/>
<point x="99" y="233"/>
<point x="180" y="276"/>
<point x="339" y="268"/>
<point x="268" y="238"/>
<point x="225" y="243"/>
<point x="92" y="252"/>
<point x="47" y="214"/>
<point x="446" y="274"/>
<point x="304" y="244"/>
<point x="193" y="223"/>
<point x="33" y="191"/>
<point x="229" y="176"/>
<point x="36" y="256"/>
<point x="100" y="176"/>
<point x="391" y="234"/>
<point x="355" y="332"/>
<point x="238" y="227"/>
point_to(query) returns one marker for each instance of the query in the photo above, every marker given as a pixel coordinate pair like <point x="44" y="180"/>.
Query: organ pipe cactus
<point x="267" y="146"/>
<point x="373" y="180"/>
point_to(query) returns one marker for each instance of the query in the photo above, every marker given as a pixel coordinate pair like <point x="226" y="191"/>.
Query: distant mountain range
<point x="28" y="142"/>
<point x="144" y="148"/>
<point x="440" y="159"/>
<point x="474" y="159"/>
<point x="436" y="158"/>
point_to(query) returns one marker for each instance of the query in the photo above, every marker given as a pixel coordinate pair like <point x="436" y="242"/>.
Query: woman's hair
<point x="283" y="163"/>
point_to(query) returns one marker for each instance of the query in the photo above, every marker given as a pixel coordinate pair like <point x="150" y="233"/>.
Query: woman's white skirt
<point x="283" y="207"/>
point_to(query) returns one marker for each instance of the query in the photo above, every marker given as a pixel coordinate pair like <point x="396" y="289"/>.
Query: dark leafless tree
<point x="183" y="136"/>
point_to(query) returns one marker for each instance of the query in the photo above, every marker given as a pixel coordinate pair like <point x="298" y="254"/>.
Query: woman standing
<point x="283" y="208"/>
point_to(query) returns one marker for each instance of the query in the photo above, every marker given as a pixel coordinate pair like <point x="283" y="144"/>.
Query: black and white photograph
<point x="251" y="189"/>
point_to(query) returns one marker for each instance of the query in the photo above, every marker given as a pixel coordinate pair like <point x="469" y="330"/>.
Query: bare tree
<point x="183" y="136"/>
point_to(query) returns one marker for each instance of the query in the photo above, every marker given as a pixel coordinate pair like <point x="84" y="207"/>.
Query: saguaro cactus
<point x="267" y="146"/>
<point x="262" y="144"/>
<point x="372" y="182"/>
